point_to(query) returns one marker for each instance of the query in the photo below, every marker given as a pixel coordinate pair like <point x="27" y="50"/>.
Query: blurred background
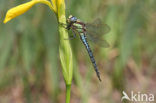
<point x="30" y="70"/>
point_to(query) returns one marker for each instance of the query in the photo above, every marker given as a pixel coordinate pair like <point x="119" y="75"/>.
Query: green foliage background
<point x="30" y="70"/>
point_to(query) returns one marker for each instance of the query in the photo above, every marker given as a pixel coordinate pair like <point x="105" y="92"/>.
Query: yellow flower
<point x="21" y="9"/>
<point x="54" y="3"/>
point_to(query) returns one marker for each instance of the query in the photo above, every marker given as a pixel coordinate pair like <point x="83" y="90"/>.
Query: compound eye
<point x="73" y="19"/>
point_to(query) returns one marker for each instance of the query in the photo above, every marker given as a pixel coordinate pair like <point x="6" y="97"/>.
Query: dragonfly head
<point x="71" y="19"/>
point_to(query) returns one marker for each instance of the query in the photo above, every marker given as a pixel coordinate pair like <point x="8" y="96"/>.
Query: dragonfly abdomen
<point x="84" y="40"/>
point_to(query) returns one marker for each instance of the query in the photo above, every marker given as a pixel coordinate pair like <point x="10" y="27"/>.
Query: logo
<point x="138" y="97"/>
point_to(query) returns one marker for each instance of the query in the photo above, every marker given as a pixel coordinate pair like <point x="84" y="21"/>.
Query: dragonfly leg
<point x="72" y="37"/>
<point x="62" y="24"/>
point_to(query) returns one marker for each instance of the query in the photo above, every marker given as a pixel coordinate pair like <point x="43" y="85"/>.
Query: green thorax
<point x="79" y="28"/>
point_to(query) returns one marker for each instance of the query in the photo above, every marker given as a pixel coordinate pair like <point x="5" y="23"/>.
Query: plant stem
<point x="65" y="50"/>
<point x="68" y="89"/>
<point x="66" y="58"/>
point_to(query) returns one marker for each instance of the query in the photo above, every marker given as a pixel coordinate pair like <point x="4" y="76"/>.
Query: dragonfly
<point x="89" y="31"/>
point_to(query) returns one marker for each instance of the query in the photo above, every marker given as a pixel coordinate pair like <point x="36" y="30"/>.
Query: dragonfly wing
<point x="98" y="40"/>
<point x="95" y="32"/>
<point x="97" y="27"/>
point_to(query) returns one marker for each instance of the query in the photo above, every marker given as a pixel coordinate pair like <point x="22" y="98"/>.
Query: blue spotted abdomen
<point x="84" y="40"/>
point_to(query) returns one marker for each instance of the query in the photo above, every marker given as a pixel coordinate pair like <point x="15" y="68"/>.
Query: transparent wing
<point x="95" y="32"/>
<point x="97" y="27"/>
<point x="97" y="40"/>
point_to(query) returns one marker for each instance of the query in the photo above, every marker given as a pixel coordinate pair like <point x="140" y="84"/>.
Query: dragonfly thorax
<point x="70" y="21"/>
